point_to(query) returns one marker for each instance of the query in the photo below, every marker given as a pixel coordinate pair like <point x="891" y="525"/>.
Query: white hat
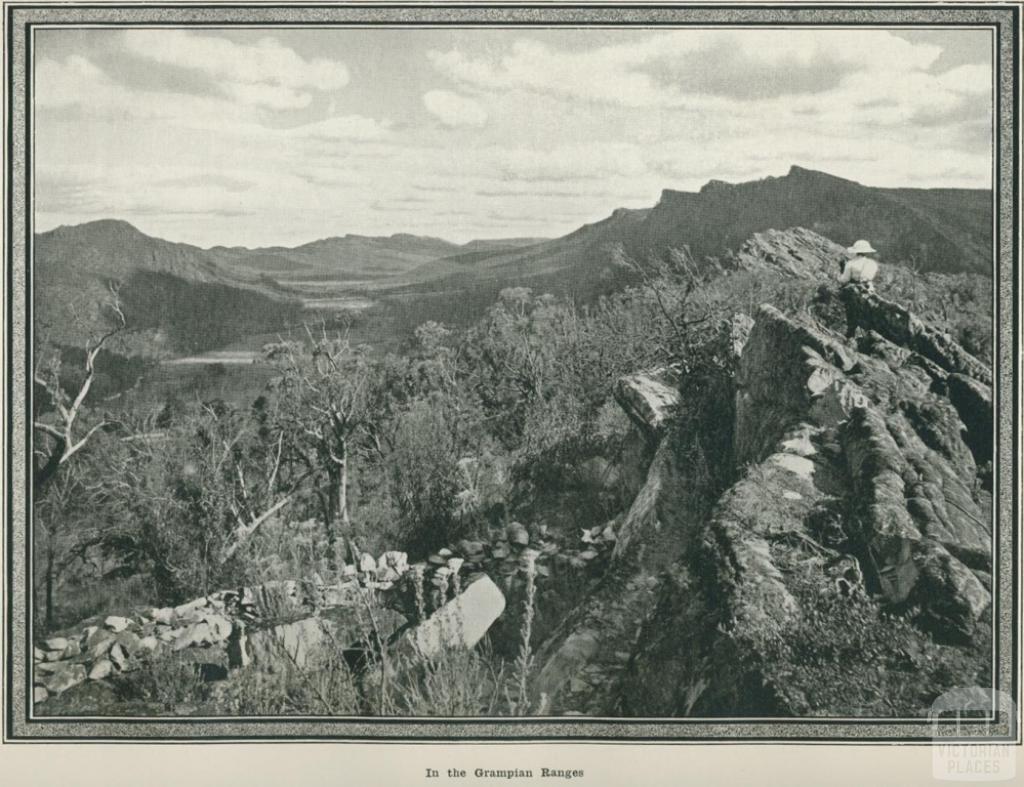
<point x="861" y="247"/>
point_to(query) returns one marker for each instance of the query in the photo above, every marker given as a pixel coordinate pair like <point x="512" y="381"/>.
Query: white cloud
<point x="264" y="73"/>
<point x="454" y="110"/>
<point x="687" y="68"/>
<point x="561" y="133"/>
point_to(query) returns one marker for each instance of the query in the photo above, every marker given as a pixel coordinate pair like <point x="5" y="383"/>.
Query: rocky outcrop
<point x="796" y="252"/>
<point x="585" y="659"/>
<point x="284" y="624"/>
<point x="855" y="498"/>
<point x="869" y="311"/>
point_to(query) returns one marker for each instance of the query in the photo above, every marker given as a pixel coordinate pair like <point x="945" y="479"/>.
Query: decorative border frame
<point x="21" y="19"/>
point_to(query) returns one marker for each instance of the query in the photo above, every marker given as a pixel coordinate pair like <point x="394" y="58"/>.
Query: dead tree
<point x="65" y="441"/>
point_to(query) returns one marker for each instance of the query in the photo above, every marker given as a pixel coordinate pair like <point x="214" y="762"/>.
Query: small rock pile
<point x="122" y="644"/>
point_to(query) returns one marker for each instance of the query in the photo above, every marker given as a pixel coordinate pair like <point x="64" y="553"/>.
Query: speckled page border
<point x="21" y="19"/>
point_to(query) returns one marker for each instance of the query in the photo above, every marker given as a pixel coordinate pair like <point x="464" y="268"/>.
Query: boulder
<point x="119" y="658"/>
<point x="163" y="616"/>
<point x="649" y="399"/>
<point x="64" y="677"/>
<point x="116" y="623"/>
<point x="148" y="644"/>
<point x="101" y="669"/>
<point x="56" y="643"/>
<point x="39" y="694"/>
<point x="462" y="622"/>
<point x="99" y="643"/>
<point x="795" y="252"/>
<point x="298" y="644"/>
<point x="951" y="596"/>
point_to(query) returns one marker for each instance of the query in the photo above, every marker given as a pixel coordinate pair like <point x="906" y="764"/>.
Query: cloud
<point x="264" y="73"/>
<point x="454" y="110"/>
<point x="672" y="69"/>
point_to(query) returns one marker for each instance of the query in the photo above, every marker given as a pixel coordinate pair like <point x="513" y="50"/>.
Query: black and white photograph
<point x="481" y="372"/>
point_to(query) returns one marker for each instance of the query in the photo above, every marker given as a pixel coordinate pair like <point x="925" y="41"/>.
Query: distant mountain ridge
<point x="945" y="230"/>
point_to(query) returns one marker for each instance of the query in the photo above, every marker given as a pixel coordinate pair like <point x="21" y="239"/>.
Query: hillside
<point x="943" y="230"/>
<point x="351" y="257"/>
<point x="391" y="284"/>
<point x="782" y="510"/>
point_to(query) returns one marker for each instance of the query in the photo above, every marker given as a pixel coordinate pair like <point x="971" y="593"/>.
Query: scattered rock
<point x="116" y="623"/>
<point x="63" y="678"/>
<point x="99" y="643"/>
<point x="163" y="616"/>
<point x="56" y="643"/>
<point x="101" y="669"/>
<point x="119" y="658"/>
<point x="39" y="694"/>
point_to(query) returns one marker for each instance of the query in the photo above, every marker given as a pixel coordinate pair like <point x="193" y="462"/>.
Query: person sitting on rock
<point x="860" y="268"/>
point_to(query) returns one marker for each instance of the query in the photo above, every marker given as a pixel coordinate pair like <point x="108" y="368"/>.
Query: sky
<point x="283" y="136"/>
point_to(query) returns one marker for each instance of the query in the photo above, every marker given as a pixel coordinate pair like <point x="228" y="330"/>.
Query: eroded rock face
<point x="796" y="252"/>
<point x="856" y="488"/>
<point x="869" y="311"/>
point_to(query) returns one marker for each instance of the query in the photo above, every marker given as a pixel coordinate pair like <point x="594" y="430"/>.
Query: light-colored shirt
<point x="861" y="269"/>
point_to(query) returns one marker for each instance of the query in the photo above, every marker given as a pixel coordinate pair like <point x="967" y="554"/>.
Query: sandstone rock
<point x="399" y="561"/>
<point x="870" y="311"/>
<point x="39" y="694"/>
<point x="99" y="643"/>
<point x="649" y="399"/>
<point x="62" y="679"/>
<point x="116" y="623"/>
<point x="149" y="644"/>
<point x="367" y="563"/>
<point x="38" y="655"/>
<point x="164" y="616"/>
<point x="212" y="629"/>
<point x="220" y="627"/>
<point x="516" y="533"/>
<point x="54" y="655"/>
<point x="73" y="649"/>
<point x="129" y="642"/>
<point x="462" y="622"/>
<point x="951" y="595"/>
<point x="101" y="669"/>
<point x="118" y="657"/>
<point x="192" y="611"/>
<point x="297" y="644"/>
<point x="170" y="634"/>
<point x="795" y="252"/>
<point x="56" y="643"/>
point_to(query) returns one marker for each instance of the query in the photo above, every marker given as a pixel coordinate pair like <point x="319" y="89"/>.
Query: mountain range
<point x="943" y="230"/>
